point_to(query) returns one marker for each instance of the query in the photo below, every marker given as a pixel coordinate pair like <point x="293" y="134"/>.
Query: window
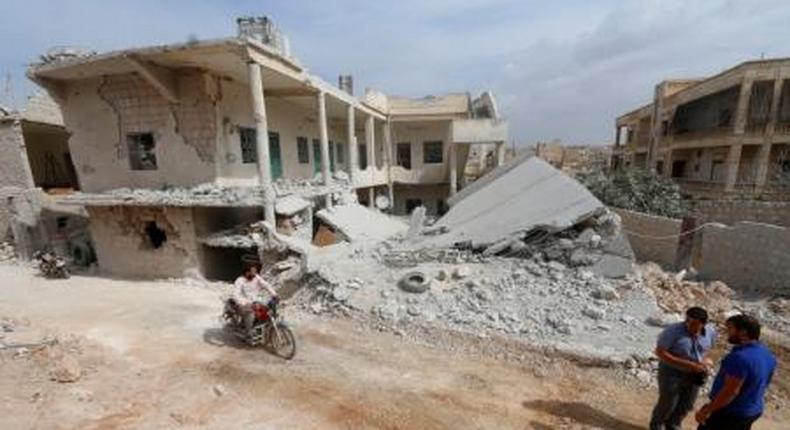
<point x="141" y="151"/>
<point x="660" y="167"/>
<point x="432" y="152"/>
<point x="404" y="155"/>
<point x="248" y="138"/>
<point x="302" y="150"/>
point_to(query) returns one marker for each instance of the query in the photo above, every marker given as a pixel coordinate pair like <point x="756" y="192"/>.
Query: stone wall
<point x="124" y="247"/>
<point x="653" y="238"/>
<point x="749" y="257"/>
<point x="731" y="212"/>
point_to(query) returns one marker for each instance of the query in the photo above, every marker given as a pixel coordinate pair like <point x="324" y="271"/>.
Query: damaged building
<point x="35" y="168"/>
<point x="174" y="145"/>
<point x="727" y="135"/>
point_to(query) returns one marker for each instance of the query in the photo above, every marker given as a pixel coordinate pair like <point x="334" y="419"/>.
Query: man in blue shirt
<point x="682" y="369"/>
<point x="738" y="392"/>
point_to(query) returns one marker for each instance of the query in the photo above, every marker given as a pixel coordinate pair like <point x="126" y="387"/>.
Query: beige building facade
<point x="726" y="136"/>
<point x="241" y="116"/>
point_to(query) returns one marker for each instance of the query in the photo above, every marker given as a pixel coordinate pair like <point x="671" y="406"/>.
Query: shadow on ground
<point x="581" y="413"/>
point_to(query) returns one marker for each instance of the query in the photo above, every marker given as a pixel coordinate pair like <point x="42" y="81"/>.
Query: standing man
<point x="738" y="392"/>
<point x="682" y="369"/>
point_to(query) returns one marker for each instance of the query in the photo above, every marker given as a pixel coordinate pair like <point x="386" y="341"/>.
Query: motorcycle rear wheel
<point x="281" y="341"/>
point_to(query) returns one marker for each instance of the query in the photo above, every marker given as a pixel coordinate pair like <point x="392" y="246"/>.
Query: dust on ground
<point x="152" y="355"/>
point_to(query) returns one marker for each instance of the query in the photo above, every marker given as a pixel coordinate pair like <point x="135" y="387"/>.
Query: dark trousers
<point x="719" y="421"/>
<point x="676" y="396"/>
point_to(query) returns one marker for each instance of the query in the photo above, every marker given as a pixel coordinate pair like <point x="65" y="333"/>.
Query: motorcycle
<point x="51" y="265"/>
<point x="268" y="330"/>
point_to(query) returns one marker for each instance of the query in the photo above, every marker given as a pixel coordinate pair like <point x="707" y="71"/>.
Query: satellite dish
<point x="382" y="202"/>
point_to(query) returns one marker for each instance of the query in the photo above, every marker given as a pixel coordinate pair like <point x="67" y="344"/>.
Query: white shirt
<point x="247" y="291"/>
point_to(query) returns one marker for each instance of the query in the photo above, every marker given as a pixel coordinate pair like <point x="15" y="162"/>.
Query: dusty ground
<point x="152" y="356"/>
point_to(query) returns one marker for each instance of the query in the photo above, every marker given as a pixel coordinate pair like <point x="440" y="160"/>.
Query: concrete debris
<point x="675" y="296"/>
<point x="506" y="206"/>
<point x="66" y="369"/>
<point x="416" y="223"/>
<point x="7" y="253"/>
<point x="544" y="303"/>
<point x="292" y="205"/>
<point x="358" y="223"/>
<point x="569" y="226"/>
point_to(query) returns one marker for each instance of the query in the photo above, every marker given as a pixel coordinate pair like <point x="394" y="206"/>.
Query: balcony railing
<point x="782" y="128"/>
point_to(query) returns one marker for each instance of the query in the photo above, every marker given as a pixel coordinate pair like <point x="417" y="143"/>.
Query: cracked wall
<point x="101" y="112"/>
<point x="124" y="249"/>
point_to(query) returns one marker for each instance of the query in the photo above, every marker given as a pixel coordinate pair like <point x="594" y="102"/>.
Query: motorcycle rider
<point x="247" y="290"/>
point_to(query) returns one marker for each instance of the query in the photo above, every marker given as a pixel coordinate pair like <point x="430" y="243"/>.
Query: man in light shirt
<point x="248" y="289"/>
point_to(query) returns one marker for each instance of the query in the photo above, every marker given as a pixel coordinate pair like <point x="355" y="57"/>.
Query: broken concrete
<point x="360" y="224"/>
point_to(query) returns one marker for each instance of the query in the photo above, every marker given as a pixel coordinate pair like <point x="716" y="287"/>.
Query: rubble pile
<point x="675" y="295"/>
<point x="535" y="300"/>
<point x="7" y="253"/>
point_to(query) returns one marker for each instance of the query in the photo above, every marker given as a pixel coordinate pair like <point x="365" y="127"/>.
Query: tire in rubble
<point x="281" y="342"/>
<point x="415" y="282"/>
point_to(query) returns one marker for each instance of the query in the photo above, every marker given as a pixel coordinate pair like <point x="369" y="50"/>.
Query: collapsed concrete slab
<point x="528" y="206"/>
<point x="528" y="195"/>
<point x="359" y="224"/>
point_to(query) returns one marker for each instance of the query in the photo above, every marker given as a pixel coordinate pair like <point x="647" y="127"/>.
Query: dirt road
<point x="153" y="356"/>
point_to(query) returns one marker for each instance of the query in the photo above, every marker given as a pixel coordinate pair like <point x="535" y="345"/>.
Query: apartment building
<point x="725" y="136"/>
<point x="174" y="143"/>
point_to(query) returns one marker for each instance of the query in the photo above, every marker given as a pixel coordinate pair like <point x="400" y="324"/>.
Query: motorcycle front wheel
<point x="281" y="341"/>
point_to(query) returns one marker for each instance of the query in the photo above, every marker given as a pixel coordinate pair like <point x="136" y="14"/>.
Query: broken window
<point x="142" y="155"/>
<point x="302" y="150"/>
<point x="248" y="138"/>
<point x="155" y="235"/>
<point x="404" y="155"/>
<point x="432" y="152"/>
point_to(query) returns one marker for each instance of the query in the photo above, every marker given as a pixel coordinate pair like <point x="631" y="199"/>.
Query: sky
<point x="559" y="69"/>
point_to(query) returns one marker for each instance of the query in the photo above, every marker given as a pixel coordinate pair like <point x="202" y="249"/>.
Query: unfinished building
<point x="725" y="136"/>
<point x="173" y="144"/>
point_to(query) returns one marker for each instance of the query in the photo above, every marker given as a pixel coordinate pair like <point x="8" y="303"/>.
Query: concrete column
<point x="387" y="131"/>
<point x="616" y="135"/>
<point x="743" y="105"/>
<point x="351" y="137"/>
<point x="764" y="155"/>
<point x="500" y="153"/>
<point x="370" y="140"/>
<point x="262" y="141"/>
<point x="668" y="164"/>
<point x="733" y="162"/>
<point x="372" y="197"/>
<point x="453" y="170"/>
<point x="763" y="165"/>
<point x="324" y="136"/>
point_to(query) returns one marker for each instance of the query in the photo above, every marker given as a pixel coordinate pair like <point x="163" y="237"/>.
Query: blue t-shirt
<point x="677" y="340"/>
<point x="754" y="364"/>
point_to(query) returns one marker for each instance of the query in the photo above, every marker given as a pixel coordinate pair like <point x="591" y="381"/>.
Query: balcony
<point x="479" y="131"/>
<point x="709" y="133"/>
